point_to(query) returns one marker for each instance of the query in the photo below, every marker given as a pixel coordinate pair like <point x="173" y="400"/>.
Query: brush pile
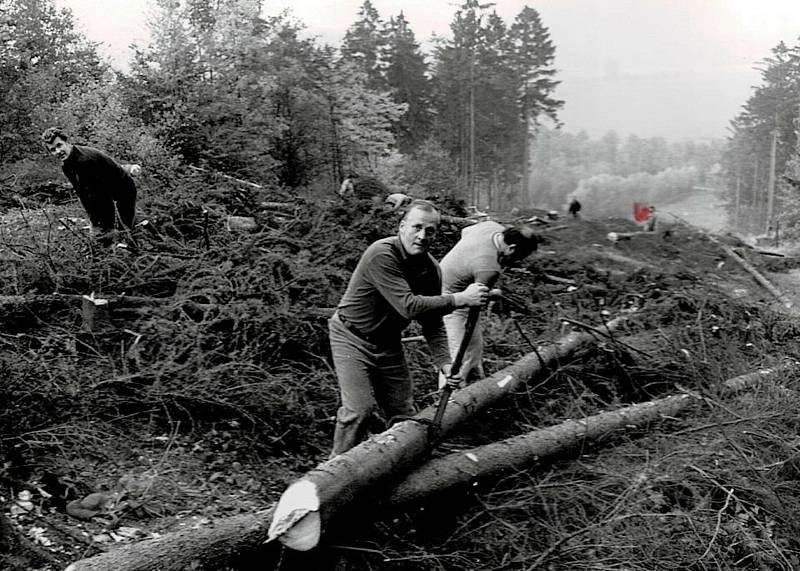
<point x="185" y="374"/>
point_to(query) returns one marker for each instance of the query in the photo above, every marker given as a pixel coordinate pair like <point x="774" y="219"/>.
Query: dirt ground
<point x="209" y="403"/>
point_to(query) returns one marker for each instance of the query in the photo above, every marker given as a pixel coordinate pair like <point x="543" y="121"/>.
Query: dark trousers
<point x="371" y="378"/>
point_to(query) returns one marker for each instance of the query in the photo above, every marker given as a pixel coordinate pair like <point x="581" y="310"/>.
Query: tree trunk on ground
<point x="757" y="275"/>
<point x="209" y="547"/>
<point x="339" y="479"/>
<point x="307" y="505"/>
<point x="465" y="466"/>
<point x="457" y="220"/>
<point x="243" y="536"/>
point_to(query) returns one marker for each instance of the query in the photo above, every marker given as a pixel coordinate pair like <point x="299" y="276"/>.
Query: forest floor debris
<point x="221" y="395"/>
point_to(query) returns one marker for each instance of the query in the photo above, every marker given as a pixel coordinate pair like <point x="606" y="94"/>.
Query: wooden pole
<point x="771" y="179"/>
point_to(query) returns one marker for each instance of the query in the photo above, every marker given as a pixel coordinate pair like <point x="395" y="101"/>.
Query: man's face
<point x="60" y="148"/>
<point x="417" y="230"/>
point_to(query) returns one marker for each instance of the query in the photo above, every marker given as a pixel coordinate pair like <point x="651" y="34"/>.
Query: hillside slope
<point x="209" y="385"/>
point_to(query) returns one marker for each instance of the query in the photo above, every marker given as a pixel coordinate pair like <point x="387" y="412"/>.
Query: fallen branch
<point x="588" y="327"/>
<point x="765" y="253"/>
<point x="557" y="280"/>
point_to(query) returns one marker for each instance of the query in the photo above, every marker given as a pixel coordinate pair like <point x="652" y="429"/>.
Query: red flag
<point x="641" y="212"/>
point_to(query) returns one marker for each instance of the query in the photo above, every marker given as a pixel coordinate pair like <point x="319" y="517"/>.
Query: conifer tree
<point x="532" y="57"/>
<point x="364" y="43"/>
<point x="406" y="77"/>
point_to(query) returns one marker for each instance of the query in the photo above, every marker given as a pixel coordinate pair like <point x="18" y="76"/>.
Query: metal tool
<point x="472" y="320"/>
<point x="447" y="390"/>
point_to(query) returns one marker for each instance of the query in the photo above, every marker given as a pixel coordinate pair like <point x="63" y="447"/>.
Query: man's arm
<point x="82" y="190"/>
<point x="387" y="277"/>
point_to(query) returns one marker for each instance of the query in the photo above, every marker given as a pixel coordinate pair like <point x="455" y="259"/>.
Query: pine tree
<point x="768" y="114"/>
<point x="457" y="78"/>
<point x="364" y="43"/>
<point x="406" y="77"/>
<point x="533" y="54"/>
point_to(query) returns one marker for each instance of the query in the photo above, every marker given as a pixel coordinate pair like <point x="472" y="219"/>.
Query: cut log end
<point x="297" y="523"/>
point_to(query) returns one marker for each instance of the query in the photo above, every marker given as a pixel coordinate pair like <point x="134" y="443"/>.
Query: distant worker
<point x="395" y="281"/>
<point x="396" y="201"/>
<point x="348" y="187"/>
<point x="575" y="208"/>
<point x="652" y="220"/>
<point x="641" y="214"/>
<point x="106" y="189"/>
<point x="479" y="256"/>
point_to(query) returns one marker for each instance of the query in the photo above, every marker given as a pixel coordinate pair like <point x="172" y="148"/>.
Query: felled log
<point x="457" y="220"/>
<point x="557" y="280"/>
<point x="215" y="546"/>
<point x="285" y="207"/>
<point x="209" y="547"/>
<point x="308" y="504"/>
<point x="764" y="282"/>
<point x="465" y="466"/>
<point x="226" y="176"/>
<point x="240" y="224"/>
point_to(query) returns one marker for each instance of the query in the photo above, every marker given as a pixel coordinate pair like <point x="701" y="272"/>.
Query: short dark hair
<point x="52" y="133"/>
<point x="524" y="238"/>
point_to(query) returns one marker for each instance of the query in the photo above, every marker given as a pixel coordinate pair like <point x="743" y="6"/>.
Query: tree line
<point x="762" y="160"/>
<point x="223" y="87"/>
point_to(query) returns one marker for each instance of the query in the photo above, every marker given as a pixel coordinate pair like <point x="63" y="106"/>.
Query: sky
<point x="679" y="69"/>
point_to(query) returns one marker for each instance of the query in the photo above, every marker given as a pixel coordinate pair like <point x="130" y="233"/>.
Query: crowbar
<point x="447" y="390"/>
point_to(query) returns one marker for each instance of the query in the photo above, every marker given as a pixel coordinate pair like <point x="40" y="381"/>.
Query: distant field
<point x="704" y="210"/>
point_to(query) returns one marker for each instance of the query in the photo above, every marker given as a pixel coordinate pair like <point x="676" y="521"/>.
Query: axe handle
<point x="472" y="321"/>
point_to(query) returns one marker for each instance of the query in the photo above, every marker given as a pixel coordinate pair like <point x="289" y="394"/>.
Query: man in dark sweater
<point x="395" y="281"/>
<point x="106" y="191"/>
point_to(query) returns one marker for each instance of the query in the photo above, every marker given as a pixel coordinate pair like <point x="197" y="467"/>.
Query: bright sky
<point x="672" y="68"/>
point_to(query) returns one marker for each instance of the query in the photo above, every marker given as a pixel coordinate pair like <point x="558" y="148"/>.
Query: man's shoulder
<point x="479" y="236"/>
<point x="383" y="248"/>
<point x="87" y="154"/>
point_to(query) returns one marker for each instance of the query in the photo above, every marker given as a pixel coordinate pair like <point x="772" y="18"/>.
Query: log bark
<point x="243" y="536"/>
<point x="764" y="282"/>
<point x="308" y="504"/>
<point x="457" y="220"/>
<point x="340" y="478"/>
<point x="465" y="466"/>
<point x="208" y="547"/>
<point x="226" y="176"/>
<point x="240" y="224"/>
